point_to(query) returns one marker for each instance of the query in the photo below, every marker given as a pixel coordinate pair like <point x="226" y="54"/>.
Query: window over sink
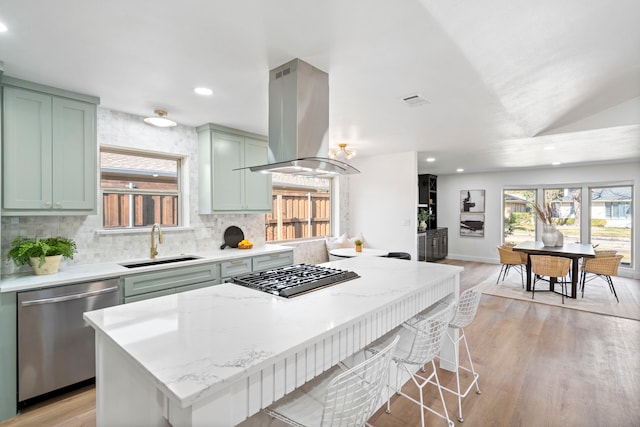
<point x="139" y="189"/>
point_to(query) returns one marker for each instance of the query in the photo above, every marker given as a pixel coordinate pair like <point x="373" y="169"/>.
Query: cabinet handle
<point x="58" y="204"/>
<point x="47" y="204"/>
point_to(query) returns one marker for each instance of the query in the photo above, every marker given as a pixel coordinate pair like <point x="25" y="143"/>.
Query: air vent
<point x="415" y="100"/>
<point x="283" y="73"/>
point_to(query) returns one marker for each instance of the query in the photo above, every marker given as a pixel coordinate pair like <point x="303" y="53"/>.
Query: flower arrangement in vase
<point x="549" y="233"/>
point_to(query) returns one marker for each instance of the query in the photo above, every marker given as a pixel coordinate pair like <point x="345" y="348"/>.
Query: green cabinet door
<point x="27" y="166"/>
<point x="74" y="155"/>
<point x="257" y="185"/>
<point x="8" y="355"/>
<point x="49" y="143"/>
<point x="228" y="184"/>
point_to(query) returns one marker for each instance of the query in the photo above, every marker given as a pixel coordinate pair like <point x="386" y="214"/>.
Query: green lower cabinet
<point x="265" y="262"/>
<point x="235" y="267"/>
<point x="138" y="287"/>
<point x="8" y="356"/>
<point x="149" y="295"/>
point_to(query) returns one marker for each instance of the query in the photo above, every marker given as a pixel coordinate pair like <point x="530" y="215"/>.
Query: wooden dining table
<point x="574" y="251"/>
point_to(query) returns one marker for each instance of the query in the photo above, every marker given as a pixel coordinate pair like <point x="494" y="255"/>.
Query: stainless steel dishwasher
<point x="56" y="347"/>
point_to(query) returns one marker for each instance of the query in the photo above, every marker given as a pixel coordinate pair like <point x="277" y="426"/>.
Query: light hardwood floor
<point x="539" y="365"/>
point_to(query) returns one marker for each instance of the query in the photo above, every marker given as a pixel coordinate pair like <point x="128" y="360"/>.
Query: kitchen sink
<point x="160" y="261"/>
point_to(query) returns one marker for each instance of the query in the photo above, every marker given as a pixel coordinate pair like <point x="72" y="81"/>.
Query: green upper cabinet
<point x="223" y="189"/>
<point x="49" y="151"/>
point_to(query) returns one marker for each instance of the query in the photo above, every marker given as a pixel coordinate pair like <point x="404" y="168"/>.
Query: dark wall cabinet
<point x="433" y="244"/>
<point x="428" y="197"/>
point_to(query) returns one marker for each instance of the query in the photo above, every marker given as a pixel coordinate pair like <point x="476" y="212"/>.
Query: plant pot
<point x="422" y="226"/>
<point x="50" y="266"/>
<point x="549" y="236"/>
<point x="358" y="248"/>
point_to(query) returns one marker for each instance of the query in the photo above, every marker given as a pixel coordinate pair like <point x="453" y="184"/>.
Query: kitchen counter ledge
<point x="215" y="356"/>
<point x="90" y="272"/>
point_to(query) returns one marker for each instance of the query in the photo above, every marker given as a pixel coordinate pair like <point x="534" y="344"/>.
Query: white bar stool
<point x="337" y="397"/>
<point x="420" y="342"/>
<point x="465" y="313"/>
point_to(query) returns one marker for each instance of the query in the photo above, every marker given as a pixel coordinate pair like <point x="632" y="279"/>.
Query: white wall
<point x="484" y="249"/>
<point x="382" y="201"/>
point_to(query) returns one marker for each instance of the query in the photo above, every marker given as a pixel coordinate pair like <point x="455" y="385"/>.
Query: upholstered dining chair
<point x="550" y="266"/>
<point x="338" y="397"/>
<point x="600" y="266"/>
<point x="510" y="259"/>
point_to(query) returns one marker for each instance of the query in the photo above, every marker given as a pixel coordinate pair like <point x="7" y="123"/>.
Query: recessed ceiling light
<point x="204" y="91"/>
<point x="3" y="28"/>
<point x="556" y="163"/>
<point x="459" y="170"/>
<point x="431" y="159"/>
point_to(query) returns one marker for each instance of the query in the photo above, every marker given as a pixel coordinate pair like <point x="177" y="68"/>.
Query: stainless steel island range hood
<point x="299" y="123"/>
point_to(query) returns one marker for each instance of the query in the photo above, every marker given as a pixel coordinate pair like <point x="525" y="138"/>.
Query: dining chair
<point x="552" y="267"/>
<point x="420" y="342"/>
<point x="510" y="259"/>
<point x="600" y="266"/>
<point x="338" y="398"/>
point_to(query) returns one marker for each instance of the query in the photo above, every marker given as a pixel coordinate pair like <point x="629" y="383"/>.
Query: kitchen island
<point x="217" y="355"/>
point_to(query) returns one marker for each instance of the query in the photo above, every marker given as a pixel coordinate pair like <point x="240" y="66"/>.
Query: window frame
<point x="181" y="186"/>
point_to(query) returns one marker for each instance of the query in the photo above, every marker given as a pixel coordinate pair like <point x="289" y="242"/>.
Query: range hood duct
<point x="299" y="123"/>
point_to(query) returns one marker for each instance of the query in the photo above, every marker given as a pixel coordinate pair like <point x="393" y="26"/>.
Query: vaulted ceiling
<point x="506" y="80"/>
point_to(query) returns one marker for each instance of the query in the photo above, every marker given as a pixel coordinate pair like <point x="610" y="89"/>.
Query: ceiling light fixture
<point x="3" y="28"/>
<point x="160" y="120"/>
<point x="459" y="170"/>
<point x="431" y="159"/>
<point x="204" y="91"/>
<point x="342" y="150"/>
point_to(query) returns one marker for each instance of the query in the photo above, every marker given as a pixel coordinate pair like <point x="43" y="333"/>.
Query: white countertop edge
<point x="92" y="272"/>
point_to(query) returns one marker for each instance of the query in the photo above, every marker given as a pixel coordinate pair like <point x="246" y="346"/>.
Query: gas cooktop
<point x="294" y="280"/>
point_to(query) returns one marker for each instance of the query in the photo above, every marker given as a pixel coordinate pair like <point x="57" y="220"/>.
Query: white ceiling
<point x="505" y="78"/>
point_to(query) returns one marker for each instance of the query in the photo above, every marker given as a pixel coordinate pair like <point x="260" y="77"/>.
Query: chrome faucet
<point x="154" y="248"/>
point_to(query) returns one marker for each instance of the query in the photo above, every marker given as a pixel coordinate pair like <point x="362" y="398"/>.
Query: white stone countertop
<point x="90" y="272"/>
<point x="193" y="344"/>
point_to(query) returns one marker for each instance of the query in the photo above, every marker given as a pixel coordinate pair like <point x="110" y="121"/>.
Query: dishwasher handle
<point x="69" y="297"/>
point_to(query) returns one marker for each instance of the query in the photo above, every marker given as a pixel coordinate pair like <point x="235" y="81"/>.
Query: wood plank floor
<point x="539" y="365"/>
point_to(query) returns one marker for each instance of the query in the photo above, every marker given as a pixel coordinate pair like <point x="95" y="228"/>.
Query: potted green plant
<point x="44" y="255"/>
<point x="358" y="244"/>
<point x="423" y="217"/>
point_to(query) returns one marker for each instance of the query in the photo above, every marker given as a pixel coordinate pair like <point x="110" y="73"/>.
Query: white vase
<point x="422" y="226"/>
<point x="50" y="266"/>
<point x="560" y="238"/>
<point x="549" y="236"/>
